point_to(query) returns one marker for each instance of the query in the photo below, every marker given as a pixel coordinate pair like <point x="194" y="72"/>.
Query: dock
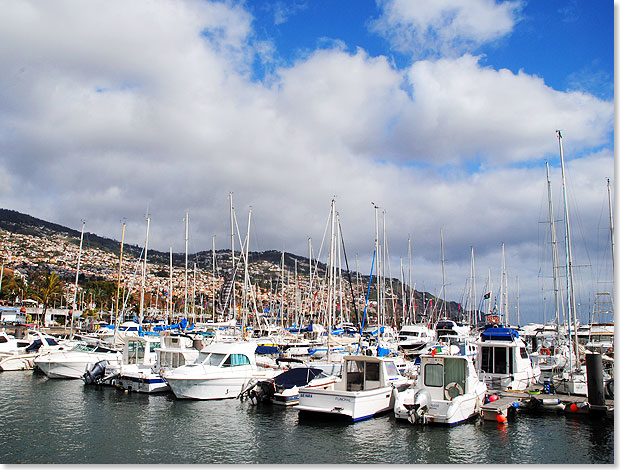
<point x="533" y="400"/>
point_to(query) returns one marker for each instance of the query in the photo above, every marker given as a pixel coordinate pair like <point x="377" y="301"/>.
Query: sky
<point x="443" y="114"/>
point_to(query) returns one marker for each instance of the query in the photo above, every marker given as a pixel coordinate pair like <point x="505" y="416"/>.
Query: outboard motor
<point x="95" y="374"/>
<point x="421" y="402"/>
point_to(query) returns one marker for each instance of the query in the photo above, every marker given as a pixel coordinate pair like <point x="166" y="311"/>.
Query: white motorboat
<point x="41" y="344"/>
<point x="413" y="338"/>
<point x="448" y="391"/>
<point x="503" y="361"/>
<point x="366" y="390"/>
<point x="222" y="370"/>
<point x="9" y="345"/>
<point x="72" y="364"/>
<point x="171" y="351"/>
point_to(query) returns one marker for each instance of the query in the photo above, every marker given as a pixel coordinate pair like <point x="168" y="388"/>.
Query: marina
<point x="376" y="269"/>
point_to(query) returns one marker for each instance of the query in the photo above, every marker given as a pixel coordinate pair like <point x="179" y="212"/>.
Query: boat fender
<point x="449" y="388"/>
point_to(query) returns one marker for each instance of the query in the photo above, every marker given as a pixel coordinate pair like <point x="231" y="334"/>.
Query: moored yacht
<point x="366" y="390"/>
<point x="72" y="364"/>
<point x="222" y="370"/>
<point x="503" y="361"/>
<point x="448" y="391"/>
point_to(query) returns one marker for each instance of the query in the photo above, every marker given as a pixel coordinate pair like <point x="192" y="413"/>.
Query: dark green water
<point x="64" y="422"/>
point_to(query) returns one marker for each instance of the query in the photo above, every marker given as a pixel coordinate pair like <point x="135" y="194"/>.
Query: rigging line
<point x="348" y="270"/>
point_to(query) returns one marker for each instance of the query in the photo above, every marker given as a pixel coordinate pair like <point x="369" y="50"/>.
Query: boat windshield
<point x="210" y="359"/>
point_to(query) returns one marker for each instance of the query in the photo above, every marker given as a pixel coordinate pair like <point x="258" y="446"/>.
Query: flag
<point x="487" y="295"/>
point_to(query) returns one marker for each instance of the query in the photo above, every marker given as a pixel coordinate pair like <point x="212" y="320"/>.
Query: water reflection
<point x="62" y="421"/>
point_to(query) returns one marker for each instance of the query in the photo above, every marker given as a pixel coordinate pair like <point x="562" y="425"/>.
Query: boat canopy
<point x="297" y="377"/>
<point x="499" y="334"/>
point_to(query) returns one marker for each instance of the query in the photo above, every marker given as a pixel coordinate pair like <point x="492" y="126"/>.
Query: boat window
<point x="51" y="341"/>
<point x="355" y="375"/>
<point x="152" y="346"/>
<point x="3" y="339"/>
<point x="211" y="359"/>
<point x="391" y="369"/>
<point x="500" y="361"/>
<point x="523" y="353"/>
<point x="433" y="375"/>
<point x="236" y="360"/>
<point x="372" y="371"/>
<point x="487" y="359"/>
<point x="135" y="352"/>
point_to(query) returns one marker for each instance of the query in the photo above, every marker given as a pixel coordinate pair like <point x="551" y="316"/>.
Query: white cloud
<point x="105" y="109"/>
<point x="446" y="27"/>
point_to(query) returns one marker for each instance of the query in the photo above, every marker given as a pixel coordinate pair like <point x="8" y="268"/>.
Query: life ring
<point x="545" y="352"/>
<point x="449" y="387"/>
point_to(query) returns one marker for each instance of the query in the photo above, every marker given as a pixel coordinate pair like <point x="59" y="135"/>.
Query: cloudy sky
<point x="441" y="113"/>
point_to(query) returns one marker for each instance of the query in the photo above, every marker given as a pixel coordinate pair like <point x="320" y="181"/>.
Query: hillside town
<point x="188" y="292"/>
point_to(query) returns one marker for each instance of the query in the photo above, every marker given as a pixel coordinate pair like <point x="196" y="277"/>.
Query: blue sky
<point x="443" y="113"/>
<point x="568" y="43"/>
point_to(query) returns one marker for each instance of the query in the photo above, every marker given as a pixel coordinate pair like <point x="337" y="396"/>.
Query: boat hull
<point x="207" y="388"/>
<point x="352" y="405"/>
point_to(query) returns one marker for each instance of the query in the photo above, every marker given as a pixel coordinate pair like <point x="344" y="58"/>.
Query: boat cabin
<point x="446" y="377"/>
<point x="503" y="360"/>
<point x="367" y="373"/>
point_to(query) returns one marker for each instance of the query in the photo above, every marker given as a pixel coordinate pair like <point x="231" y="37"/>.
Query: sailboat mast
<point x="569" y="257"/>
<point x="213" y="305"/>
<point x="611" y="229"/>
<point x="118" y="286"/>
<point x="186" y="243"/>
<point x="146" y="249"/>
<point x="232" y="252"/>
<point x="77" y="275"/>
<point x="504" y="300"/>
<point x="554" y="256"/>
<point x="170" y="305"/>
<point x="443" y="276"/>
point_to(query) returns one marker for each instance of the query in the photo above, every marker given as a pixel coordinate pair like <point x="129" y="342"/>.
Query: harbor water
<point x="65" y="422"/>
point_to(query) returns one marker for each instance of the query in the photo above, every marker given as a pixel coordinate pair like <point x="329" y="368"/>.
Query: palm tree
<point x="48" y="285"/>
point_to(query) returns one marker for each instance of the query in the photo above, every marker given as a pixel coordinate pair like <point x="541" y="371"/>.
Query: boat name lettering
<point x="342" y="399"/>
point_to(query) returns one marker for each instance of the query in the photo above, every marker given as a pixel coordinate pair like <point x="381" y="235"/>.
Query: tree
<point x="47" y="286"/>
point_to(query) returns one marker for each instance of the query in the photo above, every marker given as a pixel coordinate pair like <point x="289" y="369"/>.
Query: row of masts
<point x="334" y="278"/>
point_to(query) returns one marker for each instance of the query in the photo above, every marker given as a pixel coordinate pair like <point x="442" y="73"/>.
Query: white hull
<point x="354" y="405"/>
<point x="210" y="388"/>
<point x="142" y="382"/>
<point x="459" y="410"/>
<point x="66" y="366"/>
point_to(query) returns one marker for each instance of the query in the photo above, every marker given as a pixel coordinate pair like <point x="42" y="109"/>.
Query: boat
<point x="222" y="370"/>
<point x="283" y="389"/>
<point x="413" y="338"/>
<point x="72" y="364"/>
<point x="503" y="361"/>
<point x="366" y="390"/>
<point x="135" y="371"/>
<point x="42" y="344"/>
<point x="171" y="351"/>
<point x="9" y="345"/>
<point x="448" y="391"/>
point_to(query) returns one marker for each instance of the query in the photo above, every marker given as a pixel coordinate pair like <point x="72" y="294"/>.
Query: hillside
<point x="266" y="265"/>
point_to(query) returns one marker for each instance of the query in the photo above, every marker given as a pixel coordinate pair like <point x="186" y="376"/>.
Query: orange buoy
<point x="501" y="418"/>
<point x="574" y="408"/>
<point x="493" y="398"/>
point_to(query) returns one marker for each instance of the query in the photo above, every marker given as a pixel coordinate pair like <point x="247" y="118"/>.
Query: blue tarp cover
<point x="297" y="377"/>
<point x="499" y="334"/>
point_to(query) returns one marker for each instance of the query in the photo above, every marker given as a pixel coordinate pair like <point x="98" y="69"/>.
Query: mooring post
<point x="596" y="385"/>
